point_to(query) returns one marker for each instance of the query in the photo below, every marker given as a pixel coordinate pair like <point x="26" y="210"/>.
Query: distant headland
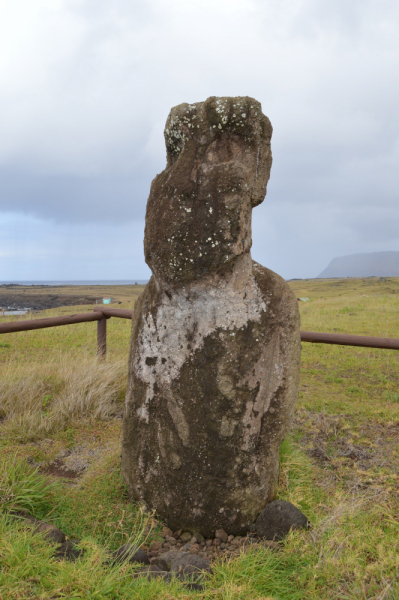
<point x="370" y="264"/>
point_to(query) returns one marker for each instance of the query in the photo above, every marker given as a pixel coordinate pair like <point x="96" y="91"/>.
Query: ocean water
<point x="82" y="282"/>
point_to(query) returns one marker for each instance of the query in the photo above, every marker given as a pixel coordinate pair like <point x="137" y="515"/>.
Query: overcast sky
<point x="85" y="89"/>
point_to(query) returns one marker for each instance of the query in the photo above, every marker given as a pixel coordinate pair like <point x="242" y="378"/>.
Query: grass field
<point x="339" y="463"/>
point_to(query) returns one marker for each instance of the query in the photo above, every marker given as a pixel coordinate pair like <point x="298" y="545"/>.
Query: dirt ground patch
<point x="59" y="469"/>
<point x="72" y="464"/>
<point x="360" y="453"/>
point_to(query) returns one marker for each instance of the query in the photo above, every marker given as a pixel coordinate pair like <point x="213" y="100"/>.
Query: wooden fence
<point x="101" y="315"/>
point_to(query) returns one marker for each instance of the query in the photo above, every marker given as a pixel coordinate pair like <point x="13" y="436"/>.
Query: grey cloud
<point x="85" y="96"/>
<point x="73" y="198"/>
<point x="378" y="224"/>
<point x="42" y="250"/>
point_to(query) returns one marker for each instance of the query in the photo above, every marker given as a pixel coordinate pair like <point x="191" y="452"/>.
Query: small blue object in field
<point x="304" y="299"/>
<point x="106" y="300"/>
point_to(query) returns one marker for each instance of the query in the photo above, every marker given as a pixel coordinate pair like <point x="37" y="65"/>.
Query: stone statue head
<point x="198" y="218"/>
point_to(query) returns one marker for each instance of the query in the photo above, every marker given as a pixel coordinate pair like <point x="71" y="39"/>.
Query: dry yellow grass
<point x="43" y="398"/>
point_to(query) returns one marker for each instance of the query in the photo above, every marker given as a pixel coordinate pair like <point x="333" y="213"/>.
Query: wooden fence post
<point x="102" y="338"/>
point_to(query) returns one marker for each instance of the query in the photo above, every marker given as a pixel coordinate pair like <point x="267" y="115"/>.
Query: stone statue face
<point x="199" y="211"/>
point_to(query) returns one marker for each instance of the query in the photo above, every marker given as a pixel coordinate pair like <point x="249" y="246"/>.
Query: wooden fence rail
<point x="14" y="326"/>
<point x="343" y="339"/>
<point x="101" y="315"/>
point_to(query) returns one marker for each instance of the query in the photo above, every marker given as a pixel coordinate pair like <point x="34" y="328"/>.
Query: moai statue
<point x="215" y="347"/>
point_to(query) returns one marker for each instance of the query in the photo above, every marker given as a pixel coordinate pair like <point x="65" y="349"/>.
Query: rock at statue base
<point x="215" y="347"/>
<point x="130" y="553"/>
<point x="278" y="518"/>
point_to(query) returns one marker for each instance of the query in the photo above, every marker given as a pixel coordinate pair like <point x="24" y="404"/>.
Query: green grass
<point x="23" y="488"/>
<point x="105" y="514"/>
<point x="30" y="571"/>
<point x="79" y="339"/>
<point x="339" y="464"/>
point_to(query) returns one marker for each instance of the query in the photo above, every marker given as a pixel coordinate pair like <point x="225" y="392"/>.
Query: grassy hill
<point x="60" y="409"/>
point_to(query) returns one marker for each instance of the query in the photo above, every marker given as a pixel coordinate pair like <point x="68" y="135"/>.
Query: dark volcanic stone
<point x="156" y="546"/>
<point x="221" y="535"/>
<point x="191" y="585"/>
<point x="164" y="561"/>
<point x="200" y="538"/>
<point x="187" y="547"/>
<point x="69" y="550"/>
<point x="190" y="566"/>
<point x="22" y="513"/>
<point x="171" y="541"/>
<point x="130" y="553"/>
<point x="276" y="520"/>
<point x="186" y="536"/>
<point x="215" y="345"/>
<point x="51" y="533"/>
<point x="177" y="534"/>
<point x="153" y="572"/>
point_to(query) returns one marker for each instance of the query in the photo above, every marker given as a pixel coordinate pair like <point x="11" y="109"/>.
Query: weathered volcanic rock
<point x="191" y="566"/>
<point x="276" y="520"/>
<point x="153" y="572"/>
<point x="221" y="535"/>
<point x="215" y="347"/>
<point x="131" y="554"/>
<point x="164" y="561"/>
<point x="186" y="536"/>
<point x="51" y="533"/>
<point x="69" y="550"/>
